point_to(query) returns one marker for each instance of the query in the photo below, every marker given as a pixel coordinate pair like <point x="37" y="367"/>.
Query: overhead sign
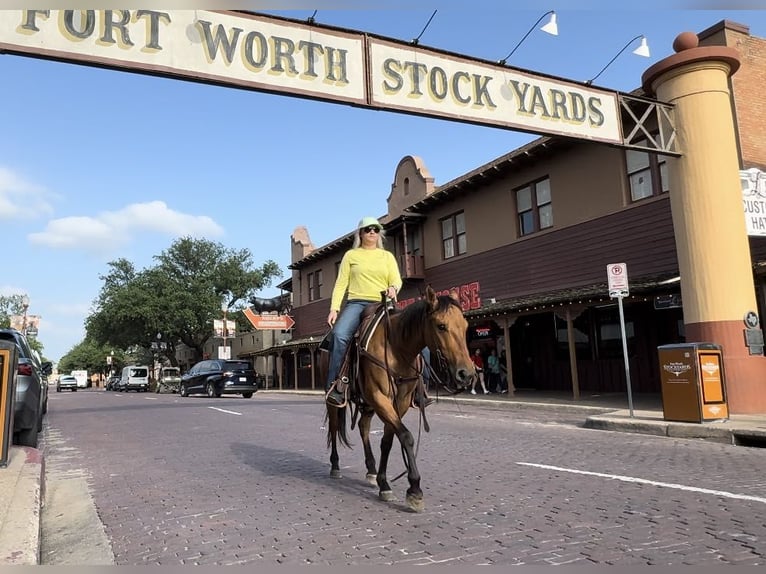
<point x="754" y="199"/>
<point x="428" y="82"/>
<point x="617" y="278"/>
<point x="267" y="322"/>
<point x="273" y="54"/>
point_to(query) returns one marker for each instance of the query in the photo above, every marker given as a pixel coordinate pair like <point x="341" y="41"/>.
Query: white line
<point x="225" y="411"/>
<point x="722" y="493"/>
<point x="150" y="398"/>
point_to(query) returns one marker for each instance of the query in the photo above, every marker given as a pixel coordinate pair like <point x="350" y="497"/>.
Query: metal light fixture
<point x="551" y="27"/>
<point x="642" y="50"/>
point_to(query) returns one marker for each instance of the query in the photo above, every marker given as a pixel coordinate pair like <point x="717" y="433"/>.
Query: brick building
<point x="526" y="239"/>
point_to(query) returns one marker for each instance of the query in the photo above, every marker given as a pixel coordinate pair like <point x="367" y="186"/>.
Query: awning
<point x="292" y="345"/>
<point x="587" y="294"/>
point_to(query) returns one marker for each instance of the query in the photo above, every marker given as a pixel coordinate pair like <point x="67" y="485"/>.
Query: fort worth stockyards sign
<point x="268" y="53"/>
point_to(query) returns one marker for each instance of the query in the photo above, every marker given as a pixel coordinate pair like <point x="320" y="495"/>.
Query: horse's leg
<point x="394" y="425"/>
<point x="332" y="434"/>
<point x="369" y="457"/>
<point x="384" y="489"/>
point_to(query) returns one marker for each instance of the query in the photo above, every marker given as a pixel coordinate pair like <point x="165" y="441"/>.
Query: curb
<point x="726" y="432"/>
<point x="20" y="532"/>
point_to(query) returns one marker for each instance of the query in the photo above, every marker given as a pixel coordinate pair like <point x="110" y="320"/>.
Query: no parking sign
<point x="617" y="277"/>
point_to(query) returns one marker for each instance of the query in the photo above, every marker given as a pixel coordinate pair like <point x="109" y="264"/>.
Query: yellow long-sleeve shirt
<point x="364" y="273"/>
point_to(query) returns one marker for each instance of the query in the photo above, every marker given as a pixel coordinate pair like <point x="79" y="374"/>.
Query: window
<point x="647" y="173"/>
<point x="533" y="206"/>
<point x="581" y="327"/>
<point x="315" y="284"/>
<point x="610" y="334"/>
<point x="453" y="235"/>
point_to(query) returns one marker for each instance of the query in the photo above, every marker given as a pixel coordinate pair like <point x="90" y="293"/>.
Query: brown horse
<point x="389" y="374"/>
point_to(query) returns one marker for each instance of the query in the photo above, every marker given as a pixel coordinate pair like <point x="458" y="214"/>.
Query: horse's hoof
<point x="386" y="495"/>
<point x="372" y="479"/>
<point x="416" y="504"/>
<point x="335" y="474"/>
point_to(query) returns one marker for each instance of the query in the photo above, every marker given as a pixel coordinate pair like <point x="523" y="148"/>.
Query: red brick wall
<point x="749" y="86"/>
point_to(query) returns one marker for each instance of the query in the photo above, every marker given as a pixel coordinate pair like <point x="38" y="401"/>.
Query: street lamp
<point x="224" y="332"/>
<point x="24" y="308"/>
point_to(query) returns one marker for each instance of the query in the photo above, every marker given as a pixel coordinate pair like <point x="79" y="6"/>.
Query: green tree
<point x="12" y="305"/>
<point x="178" y="298"/>
<point x="91" y="356"/>
<point x="9" y="305"/>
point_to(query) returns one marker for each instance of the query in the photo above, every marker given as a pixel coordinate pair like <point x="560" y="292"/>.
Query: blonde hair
<point x="358" y="238"/>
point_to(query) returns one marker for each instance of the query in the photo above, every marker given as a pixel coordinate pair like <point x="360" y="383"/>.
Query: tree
<point x="9" y="305"/>
<point x="178" y="298"/>
<point x="12" y="305"/>
<point x="91" y="356"/>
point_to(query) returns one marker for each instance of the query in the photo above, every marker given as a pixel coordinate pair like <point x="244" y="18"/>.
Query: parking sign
<point x="617" y="279"/>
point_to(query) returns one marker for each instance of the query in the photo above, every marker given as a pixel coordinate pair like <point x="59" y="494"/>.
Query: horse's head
<point x="446" y="337"/>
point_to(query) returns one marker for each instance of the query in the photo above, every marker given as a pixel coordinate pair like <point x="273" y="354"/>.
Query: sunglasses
<point x="371" y="229"/>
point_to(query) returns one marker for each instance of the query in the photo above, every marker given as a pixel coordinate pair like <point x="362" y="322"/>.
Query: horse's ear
<point x="431" y="296"/>
<point x="454" y="295"/>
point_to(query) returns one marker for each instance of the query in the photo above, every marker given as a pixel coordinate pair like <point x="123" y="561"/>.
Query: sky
<point x="97" y="165"/>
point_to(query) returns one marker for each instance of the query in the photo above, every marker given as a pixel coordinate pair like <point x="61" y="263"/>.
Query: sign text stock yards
<point x="266" y="53"/>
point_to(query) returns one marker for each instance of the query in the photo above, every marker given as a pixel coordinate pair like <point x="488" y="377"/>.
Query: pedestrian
<point x="493" y="372"/>
<point x="366" y="270"/>
<point x="478" y="362"/>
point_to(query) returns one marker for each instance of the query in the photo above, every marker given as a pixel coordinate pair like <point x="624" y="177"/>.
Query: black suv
<point x="216" y="377"/>
<point x="31" y="390"/>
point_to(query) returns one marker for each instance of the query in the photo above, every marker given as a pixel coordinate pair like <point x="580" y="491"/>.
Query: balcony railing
<point x="412" y="267"/>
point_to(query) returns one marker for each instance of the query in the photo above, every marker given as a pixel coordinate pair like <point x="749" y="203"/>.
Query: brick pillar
<point x="717" y="283"/>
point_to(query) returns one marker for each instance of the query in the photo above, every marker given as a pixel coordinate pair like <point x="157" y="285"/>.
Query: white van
<point x="81" y="377"/>
<point x="134" y="378"/>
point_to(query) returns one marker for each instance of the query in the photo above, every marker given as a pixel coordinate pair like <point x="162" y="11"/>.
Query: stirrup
<point x="336" y="398"/>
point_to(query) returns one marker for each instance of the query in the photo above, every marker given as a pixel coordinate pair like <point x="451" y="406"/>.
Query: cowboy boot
<point x="336" y="395"/>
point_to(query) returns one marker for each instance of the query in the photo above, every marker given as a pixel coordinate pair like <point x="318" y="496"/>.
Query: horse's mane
<point x="413" y="316"/>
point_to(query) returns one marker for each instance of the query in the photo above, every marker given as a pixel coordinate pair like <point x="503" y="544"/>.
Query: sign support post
<point x="617" y="276"/>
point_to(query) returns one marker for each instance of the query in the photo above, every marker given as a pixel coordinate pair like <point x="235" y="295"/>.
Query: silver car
<point x="31" y="390"/>
<point x="66" y="383"/>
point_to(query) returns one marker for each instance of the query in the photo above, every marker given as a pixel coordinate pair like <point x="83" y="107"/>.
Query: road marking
<point x="150" y="398"/>
<point x="225" y="411"/>
<point x="722" y="493"/>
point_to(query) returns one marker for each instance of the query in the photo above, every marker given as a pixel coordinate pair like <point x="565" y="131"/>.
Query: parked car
<point x="134" y="378"/>
<point x="216" y="377"/>
<point x="112" y="382"/>
<point x="170" y="378"/>
<point x="67" y="383"/>
<point x="31" y="390"/>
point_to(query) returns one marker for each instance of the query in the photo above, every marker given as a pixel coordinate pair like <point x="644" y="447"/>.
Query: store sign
<point x="754" y="200"/>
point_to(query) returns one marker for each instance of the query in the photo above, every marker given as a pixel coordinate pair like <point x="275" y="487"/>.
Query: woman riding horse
<point x="388" y="376"/>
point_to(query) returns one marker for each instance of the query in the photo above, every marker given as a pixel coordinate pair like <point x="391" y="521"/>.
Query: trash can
<point x="693" y="382"/>
<point x="9" y="360"/>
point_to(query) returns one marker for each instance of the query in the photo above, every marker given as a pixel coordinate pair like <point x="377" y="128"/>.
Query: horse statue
<point x="387" y="374"/>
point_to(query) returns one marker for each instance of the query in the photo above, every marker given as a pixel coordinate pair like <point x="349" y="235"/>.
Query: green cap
<point x="367" y="221"/>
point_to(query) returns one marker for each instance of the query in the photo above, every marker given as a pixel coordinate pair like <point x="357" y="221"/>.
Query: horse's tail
<point x="336" y="424"/>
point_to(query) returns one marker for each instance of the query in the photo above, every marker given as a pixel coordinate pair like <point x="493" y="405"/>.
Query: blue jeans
<point x="426" y="352"/>
<point x="342" y="333"/>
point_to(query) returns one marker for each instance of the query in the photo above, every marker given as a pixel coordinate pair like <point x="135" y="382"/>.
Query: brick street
<point x="194" y="480"/>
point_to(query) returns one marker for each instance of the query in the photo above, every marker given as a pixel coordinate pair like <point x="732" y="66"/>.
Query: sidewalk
<point x="22" y="482"/>
<point x="21" y="497"/>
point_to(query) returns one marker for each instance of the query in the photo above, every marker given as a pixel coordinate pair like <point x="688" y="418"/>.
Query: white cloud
<point x="20" y="199"/>
<point x="111" y="229"/>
